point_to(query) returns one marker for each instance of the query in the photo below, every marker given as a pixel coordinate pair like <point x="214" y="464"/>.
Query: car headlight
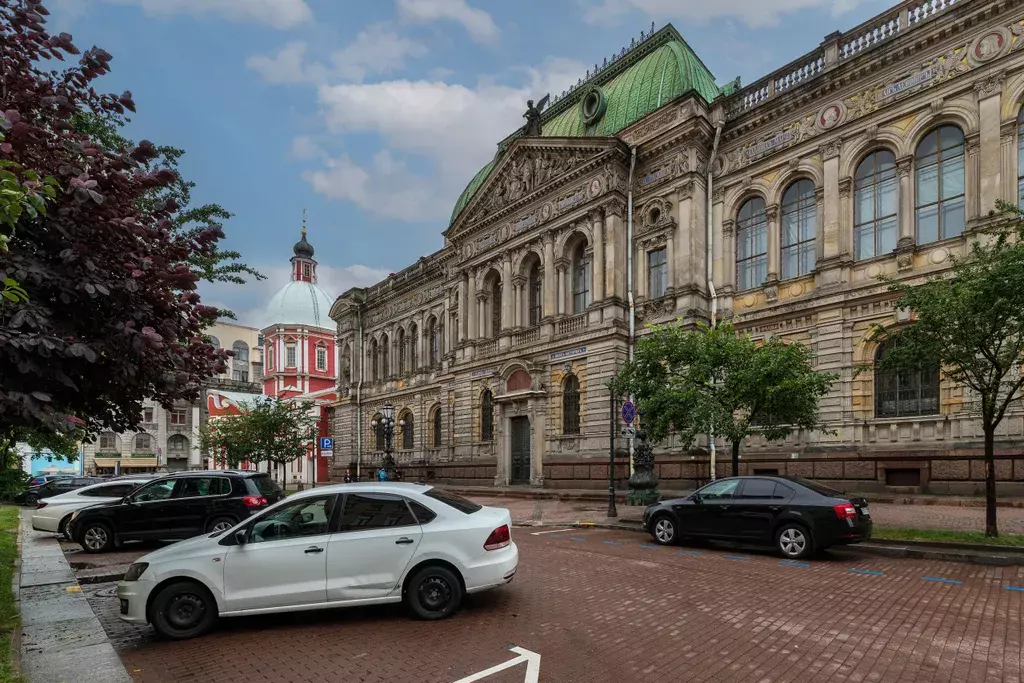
<point x="135" y="571"/>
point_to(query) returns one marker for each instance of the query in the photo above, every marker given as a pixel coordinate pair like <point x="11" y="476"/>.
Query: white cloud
<point x="450" y="129"/>
<point x="478" y="23"/>
<point x="248" y="301"/>
<point x="755" y="13"/>
<point x="376" y="50"/>
<point x="303" y="147"/>
<point x="281" y="14"/>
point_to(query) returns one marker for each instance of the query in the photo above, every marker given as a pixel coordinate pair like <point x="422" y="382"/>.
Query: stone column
<point x="640" y="269"/>
<point x="481" y="304"/>
<point x="670" y="258"/>
<point x="472" y="309"/>
<point x="463" y="310"/>
<point x="1009" y="167"/>
<point x="845" y="217"/>
<point x="507" y="295"/>
<point x="561" y="265"/>
<point x="904" y="167"/>
<point x="830" y="211"/>
<point x="729" y="254"/>
<point x="989" y="93"/>
<point x="550" y="282"/>
<point x="774" y="248"/>
<point x="518" y="282"/>
<point x="597" y="218"/>
<point x="615" y="250"/>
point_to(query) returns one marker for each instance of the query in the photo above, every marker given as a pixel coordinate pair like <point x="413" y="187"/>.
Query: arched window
<point x="876" y="194"/>
<point x="108" y="443"/>
<point x="436" y="427"/>
<point x="414" y="348"/>
<point x="143" y="443"/>
<point x="214" y="342"/>
<point x="385" y="356"/>
<point x="751" y="244"/>
<point x="905" y="392"/>
<point x="939" y="188"/>
<point x="571" y="405"/>
<point x="374" y="361"/>
<point x="241" y="350"/>
<point x="495" y="308"/>
<point x="378" y="432"/>
<point x="581" y="263"/>
<point x="435" y="342"/>
<point x="401" y="352"/>
<point x="1020" y="158"/>
<point x="177" y="445"/>
<point x="408" y="432"/>
<point x="799" y="229"/>
<point x="535" y="301"/>
<point x="487" y="416"/>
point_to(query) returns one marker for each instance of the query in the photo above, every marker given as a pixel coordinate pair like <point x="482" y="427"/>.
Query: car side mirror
<point x="242" y="536"/>
<point x="696" y="498"/>
<point x="127" y="500"/>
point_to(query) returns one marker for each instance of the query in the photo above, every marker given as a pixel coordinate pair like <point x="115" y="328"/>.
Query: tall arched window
<point x="414" y="348"/>
<point x="143" y="443"/>
<point x="939" y="185"/>
<point x="535" y="301"/>
<point x="571" y="405"/>
<point x="905" y="392"/>
<point x="876" y="195"/>
<point x="401" y="352"/>
<point x="214" y="342"/>
<point x="487" y="416"/>
<point x="408" y="432"/>
<point x="385" y="356"/>
<point x="374" y="361"/>
<point x="177" y="445"/>
<point x="436" y="427"/>
<point x="799" y="229"/>
<point x="496" y="308"/>
<point x="581" y="264"/>
<point x="378" y="432"/>
<point x="751" y="244"/>
<point x="435" y="342"/>
<point x="241" y="350"/>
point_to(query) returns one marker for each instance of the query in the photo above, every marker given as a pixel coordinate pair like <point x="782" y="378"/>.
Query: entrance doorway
<point x="520" y="450"/>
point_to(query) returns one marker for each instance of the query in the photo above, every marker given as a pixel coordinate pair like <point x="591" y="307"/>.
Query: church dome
<point x="302" y="248"/>
<point x="300" y="303"/>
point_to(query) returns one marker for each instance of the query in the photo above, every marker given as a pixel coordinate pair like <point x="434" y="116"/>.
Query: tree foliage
<point x="714" y="380"/>
<point x="266" y="431"/>
<point x="112" y="315"/>
<point x="970" y="322"/>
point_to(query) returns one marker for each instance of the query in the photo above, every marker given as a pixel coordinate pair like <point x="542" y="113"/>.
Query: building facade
<point x="777" y="205"/>
<point x="246" y="365"/>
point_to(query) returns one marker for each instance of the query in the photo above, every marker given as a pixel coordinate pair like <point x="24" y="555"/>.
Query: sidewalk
<point x="62" y="641"/>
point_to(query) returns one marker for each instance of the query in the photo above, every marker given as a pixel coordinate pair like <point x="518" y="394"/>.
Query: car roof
<point x="208" y="473"/>
<point x="398" y="488"/>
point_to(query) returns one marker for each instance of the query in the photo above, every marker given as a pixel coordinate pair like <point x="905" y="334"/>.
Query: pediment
<point x="531" y="167"/>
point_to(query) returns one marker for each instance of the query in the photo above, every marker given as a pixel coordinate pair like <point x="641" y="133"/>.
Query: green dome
<point x="656" y="72"/>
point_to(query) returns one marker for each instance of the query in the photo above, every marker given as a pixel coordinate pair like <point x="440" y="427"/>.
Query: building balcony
<point x="571" y="325"/>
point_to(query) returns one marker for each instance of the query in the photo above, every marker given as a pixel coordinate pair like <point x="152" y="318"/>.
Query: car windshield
<point x="456" y="501"/>
<point x="265" y="485"/>
<point x="819" y="488"/>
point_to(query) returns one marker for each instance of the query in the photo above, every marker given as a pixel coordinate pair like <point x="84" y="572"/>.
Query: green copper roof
<point x="659" y="70"/>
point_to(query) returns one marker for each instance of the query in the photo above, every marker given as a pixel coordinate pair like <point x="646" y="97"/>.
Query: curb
<point x="948" y="552"/>
<point x="16" y="590"/>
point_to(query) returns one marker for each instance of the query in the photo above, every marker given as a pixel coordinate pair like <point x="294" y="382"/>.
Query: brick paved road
<point x="601" y="607"/>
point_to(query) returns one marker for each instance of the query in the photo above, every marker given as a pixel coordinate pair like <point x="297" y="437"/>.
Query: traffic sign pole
<point x="612" y="512"/>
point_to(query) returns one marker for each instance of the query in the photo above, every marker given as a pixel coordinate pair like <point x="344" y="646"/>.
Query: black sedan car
<point x="54" y="487"/>
<point x="795" y="515"/>
<point x="174" y="507"/>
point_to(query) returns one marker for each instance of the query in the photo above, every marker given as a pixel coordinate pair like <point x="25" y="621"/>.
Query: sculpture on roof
<point x="532" y="116"/>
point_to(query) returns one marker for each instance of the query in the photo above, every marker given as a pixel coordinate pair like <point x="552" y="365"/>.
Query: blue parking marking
<point x="690" y="552"/>
<point x="1014" y="588"/>
<point x="577" y="538"/>
<point x="794" y="563"/>
<point x="613" y="542"/>
<point x="870" y="572"/>
<point x="649" y="547"/>
<point x="938" y="579"/>
<point x="736" y="557"/>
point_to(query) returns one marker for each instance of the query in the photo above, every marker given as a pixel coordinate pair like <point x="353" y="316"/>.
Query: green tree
<point x="12" y="477"/>
<point x="971" y="324"/>
<point x="266" y="430"/>
<point x="712" y="380"/>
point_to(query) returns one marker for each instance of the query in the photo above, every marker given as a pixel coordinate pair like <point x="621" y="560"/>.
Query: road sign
<point x="523" y="656"/>
<point x="629" y="432"/>
<point x="628" y="412"/>
<point x="326" y="443"/>
<point x="326" y="454"/>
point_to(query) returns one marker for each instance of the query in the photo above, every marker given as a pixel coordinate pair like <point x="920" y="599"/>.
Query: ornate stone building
<point x="883" y="151"/>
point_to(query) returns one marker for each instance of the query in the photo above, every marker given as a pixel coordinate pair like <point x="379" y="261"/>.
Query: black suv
<point x="177" y="506"/>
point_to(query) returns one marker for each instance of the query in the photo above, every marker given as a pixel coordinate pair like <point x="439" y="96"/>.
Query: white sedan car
<point x="53" y="513"/>
<point x="335" y="546"/>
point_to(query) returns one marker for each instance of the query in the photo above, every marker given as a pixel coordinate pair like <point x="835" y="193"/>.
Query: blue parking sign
<point x="326" y="443"/>
<point x="628" y="412"/>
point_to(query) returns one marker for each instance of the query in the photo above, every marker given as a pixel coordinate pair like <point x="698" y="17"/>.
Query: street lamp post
<point x="387" y="423"/>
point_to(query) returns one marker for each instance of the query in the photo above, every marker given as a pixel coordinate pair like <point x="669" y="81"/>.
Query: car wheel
<point x="182" y="610"/>
<point x="793" y="541"/>
<point x="219" y="525"/>
<point x="97" y="538"/>
<point x="434" y="593"/>
<point x="62" y="528"/>
<point x="663" y="529"/>
<point x="31" y="499"/>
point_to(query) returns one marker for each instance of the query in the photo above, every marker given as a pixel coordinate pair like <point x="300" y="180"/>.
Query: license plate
<point x="864" y="511"/>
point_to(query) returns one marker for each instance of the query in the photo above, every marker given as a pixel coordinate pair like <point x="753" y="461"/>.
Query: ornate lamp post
<point x="387" y="423"/>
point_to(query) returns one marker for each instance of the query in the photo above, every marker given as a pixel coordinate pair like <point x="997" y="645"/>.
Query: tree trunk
<point x="736" y="458"/>
<point x="990" y="482"/>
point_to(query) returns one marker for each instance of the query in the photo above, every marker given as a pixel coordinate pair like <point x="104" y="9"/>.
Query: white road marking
<point x="532" y="660"/>
<point x="556" y="531"/>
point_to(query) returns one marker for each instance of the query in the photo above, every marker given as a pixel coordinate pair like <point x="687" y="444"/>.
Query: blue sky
<point x="374" y="114"/>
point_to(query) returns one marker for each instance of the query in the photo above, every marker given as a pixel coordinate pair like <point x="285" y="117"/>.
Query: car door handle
<point x="403" y="541"/>
<point x="724" y="507"/>
<point x="774" y="508"/>
<point x="312" y="550"/>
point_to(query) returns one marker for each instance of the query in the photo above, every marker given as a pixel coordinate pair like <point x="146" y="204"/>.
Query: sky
<point x="373" y="115"/>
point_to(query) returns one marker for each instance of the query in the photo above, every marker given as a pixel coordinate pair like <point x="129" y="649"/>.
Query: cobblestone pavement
<point x="606" y="606"/>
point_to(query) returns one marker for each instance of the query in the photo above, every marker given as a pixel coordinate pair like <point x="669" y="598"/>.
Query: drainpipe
<point x="629" y="277"/>
<point x="359" y="397"/>
<point x="711" y="283"/>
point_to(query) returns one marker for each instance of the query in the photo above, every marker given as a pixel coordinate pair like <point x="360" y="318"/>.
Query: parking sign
<point x="628" y="412"/>
<point x="326" y="443"/>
